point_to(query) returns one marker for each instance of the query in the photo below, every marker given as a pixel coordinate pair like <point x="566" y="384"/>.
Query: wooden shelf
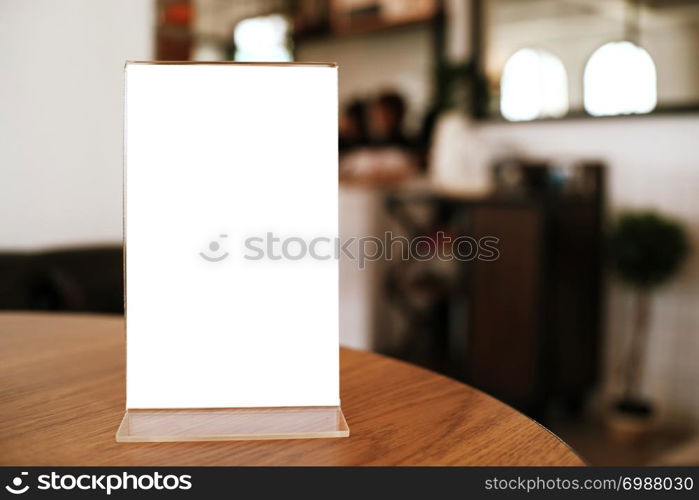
<point x="364" y="29"/>
<point x="341" y="22"/>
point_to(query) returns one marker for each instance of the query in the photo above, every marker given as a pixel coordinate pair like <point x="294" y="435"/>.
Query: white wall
<point x="61" y="119"/>
<point x="653" y="163"/>
<point x="399" y="59"/>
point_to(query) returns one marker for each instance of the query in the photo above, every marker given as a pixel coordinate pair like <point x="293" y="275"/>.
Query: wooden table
<point x="62" y="398"/>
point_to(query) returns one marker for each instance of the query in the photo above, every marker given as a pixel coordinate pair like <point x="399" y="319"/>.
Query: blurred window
<point x="534" y="85"/>
<point x="262" y="39"/>
<point x="620" y="79"/>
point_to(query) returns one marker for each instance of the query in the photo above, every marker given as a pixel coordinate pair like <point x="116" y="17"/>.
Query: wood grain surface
<point x="62" y="399"/>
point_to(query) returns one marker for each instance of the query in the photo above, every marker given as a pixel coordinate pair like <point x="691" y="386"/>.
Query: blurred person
<point x="389" y="157"/>
<point x="353" y="126"/>
<point x="387" y="114"/>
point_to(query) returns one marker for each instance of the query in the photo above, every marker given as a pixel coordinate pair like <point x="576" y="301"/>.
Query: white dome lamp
<point x="534" y="85"/>
<point x="620" y="77"/>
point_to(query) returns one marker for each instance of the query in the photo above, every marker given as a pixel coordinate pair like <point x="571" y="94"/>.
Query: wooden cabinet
<point x="504" y="348"/>
<point x="525" y="327"/>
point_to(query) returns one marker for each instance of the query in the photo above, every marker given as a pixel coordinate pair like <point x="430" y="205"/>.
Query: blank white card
<point x="230" y="228"/>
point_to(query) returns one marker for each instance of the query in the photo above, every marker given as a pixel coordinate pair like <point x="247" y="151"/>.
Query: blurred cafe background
<point x="567" y="129"/>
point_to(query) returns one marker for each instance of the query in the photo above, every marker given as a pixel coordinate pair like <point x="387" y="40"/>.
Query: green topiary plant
<point x="646" y="250"/>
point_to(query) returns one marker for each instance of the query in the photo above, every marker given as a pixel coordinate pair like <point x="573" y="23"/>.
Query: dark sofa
<point x="77" y="279"/>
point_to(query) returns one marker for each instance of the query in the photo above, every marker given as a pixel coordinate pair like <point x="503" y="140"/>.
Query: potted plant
<point x="646" y="250"/>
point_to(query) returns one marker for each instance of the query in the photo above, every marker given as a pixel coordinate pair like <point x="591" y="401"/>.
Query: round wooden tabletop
<point x="62" y="377"/>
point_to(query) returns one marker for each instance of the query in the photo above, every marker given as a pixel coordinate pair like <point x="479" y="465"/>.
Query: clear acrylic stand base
<point x="232" y="424"/>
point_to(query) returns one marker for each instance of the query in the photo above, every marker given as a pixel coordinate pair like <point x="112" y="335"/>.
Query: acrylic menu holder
<point x="232" y="424"/>
<point x="179" y="422"/>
